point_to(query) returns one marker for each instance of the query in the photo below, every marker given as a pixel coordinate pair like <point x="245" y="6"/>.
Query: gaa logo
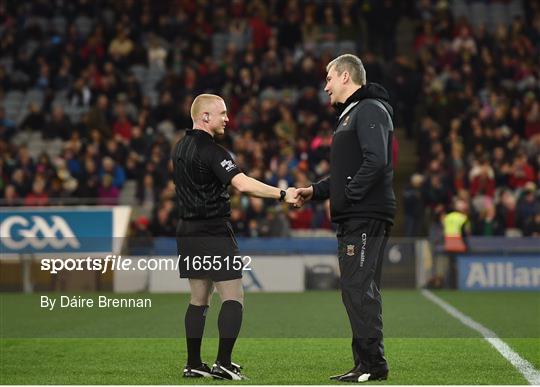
<point x="18" y="232"/>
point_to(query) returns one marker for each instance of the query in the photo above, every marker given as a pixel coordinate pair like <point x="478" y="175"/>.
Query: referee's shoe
<point x="202" y="371"/>
<point x="360" y="375"/>
<point x="231" y="372"/>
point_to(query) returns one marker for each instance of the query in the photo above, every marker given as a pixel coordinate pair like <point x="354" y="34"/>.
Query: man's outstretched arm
<point x="254" y="187"/>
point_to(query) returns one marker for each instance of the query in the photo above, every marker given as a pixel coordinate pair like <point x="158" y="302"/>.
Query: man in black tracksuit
<point x="362" y="203"/>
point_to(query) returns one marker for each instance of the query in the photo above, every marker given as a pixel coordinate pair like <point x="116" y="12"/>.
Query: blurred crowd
<point x="478" y="125"/>
<point x="115" y="81"/>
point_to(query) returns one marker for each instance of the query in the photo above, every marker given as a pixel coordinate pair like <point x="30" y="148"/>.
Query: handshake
<point x="298" y="196"/>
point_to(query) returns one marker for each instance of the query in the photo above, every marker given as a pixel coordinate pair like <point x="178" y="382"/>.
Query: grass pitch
<point x="285" y="339"/>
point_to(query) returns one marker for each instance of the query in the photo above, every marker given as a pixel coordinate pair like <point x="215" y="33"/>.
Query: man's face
<point x="218" y="117"/>
<point x="334" y="86"/>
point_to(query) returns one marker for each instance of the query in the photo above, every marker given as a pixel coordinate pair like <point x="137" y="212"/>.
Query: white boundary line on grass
<point x="523" y="366"/>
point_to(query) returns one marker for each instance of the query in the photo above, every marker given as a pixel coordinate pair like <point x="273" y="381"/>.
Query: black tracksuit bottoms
<point x="361" y="244"/>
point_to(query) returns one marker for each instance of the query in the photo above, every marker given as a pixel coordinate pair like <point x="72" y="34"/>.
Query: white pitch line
<point x="523" y="366"/>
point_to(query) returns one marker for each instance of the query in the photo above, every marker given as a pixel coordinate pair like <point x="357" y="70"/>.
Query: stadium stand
<point x="94" y="94"/>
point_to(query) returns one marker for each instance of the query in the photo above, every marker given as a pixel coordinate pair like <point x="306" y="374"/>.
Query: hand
<point x="305" y="193"/>
<point x="292" y="197"/>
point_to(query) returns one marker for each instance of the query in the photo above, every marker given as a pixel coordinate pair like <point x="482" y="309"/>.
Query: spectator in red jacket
<point x="122" y="126"/>
<point x="521" y="172"/>
<point x="482" y="180"/>
<point x="38" y="196"/>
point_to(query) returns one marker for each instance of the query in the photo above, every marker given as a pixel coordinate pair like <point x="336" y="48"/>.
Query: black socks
<point x="194" y="323"/>
<point x="229" y="323"/>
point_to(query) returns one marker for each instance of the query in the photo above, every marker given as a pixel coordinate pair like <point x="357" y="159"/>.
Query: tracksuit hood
<point x="369" y="90"/>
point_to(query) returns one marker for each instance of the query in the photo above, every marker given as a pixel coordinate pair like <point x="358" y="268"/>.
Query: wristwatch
<point x="282" y="195"/>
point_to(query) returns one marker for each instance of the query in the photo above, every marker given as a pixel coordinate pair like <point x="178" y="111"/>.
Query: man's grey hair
<point x="352" y="64"/>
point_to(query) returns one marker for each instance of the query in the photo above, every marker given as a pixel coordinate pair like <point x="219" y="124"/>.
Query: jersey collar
<point x="199" y="132"/>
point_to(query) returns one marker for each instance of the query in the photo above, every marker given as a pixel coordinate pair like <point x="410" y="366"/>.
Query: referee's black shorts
<point x="207" y="248"/>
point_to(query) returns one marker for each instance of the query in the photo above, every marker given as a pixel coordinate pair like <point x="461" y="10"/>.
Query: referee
<point x="207" y="249"/>
<point x="362" y="203"/>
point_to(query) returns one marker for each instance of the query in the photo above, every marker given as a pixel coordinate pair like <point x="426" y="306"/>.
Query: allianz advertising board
<point x="56" y="231"/>
<point x="514" y="272"/>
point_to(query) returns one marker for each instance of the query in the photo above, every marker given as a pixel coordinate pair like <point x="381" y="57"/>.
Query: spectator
<point x="44" y="167"/>
<point x="260" y="30"/>
<point x="107" y="193"/>
<point x="413" y="204"/>
<point x="38" y="196"/>
<point x="521" y="172"/>
<point x="116" y="150"/>
<point x="527" y="206"/>
<point x="35" y="120"/>
<point x="238" y="221"/>
<point x="301" y="219"/>
<point x="140" y="240"/>
<point x="80" y="95"/>
<point x="256" y="216"/>
<point x="20" y="183"/>
<point x="72" y="162"/>
<point x="469" y="96"/>
<point x="134" y="167"/>
<point x="11" y="199"/>
<point x="165" y="110"/>
<point x="147" y="193"/>
<point x="99" y="118"/>
<point x="486" y="222"/>
<point x="163" y="223"/>
<point x="25" y="162"/>
<point x="532" y="228"/>
<point x="89" y="182"/>
<point x="506" y="210"/>
<point x="482" y="180"/>
<point x="157" y="54"/>
<point x="122" y="126"/>
<point x="121" y="46"/>
<point x="532" y="118"/>
<point x="436" y="192"/>
<point x="7" y="126"/>
<point x="289" y="29"/>
<point x="114" y="171"/>
<point x="285" y="129"/>
<point x="59" y="125"/>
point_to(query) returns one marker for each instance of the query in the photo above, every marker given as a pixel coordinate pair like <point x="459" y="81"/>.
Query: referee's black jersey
<point x="202" y="170"/>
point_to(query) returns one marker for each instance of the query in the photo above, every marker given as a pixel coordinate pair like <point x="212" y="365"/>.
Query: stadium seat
<point x="128" y="193"/>
<point x="459" y="8"/>
<point x="498" y="15"/>
<point x="84" y="25"/>
<point x="479" y="13"/>
<point x="59" y="23"/>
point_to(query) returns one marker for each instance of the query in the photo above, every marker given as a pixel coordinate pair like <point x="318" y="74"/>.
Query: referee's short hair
<point x="352" y="64"/>
<point x="200" y="102"/>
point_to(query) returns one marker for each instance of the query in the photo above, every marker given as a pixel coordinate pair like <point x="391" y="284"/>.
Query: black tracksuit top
<point x="361" y="172"/>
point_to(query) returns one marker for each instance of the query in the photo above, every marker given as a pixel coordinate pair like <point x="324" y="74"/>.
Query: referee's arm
<point x="227" y="171"/>
<point x="254" y="187"/>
